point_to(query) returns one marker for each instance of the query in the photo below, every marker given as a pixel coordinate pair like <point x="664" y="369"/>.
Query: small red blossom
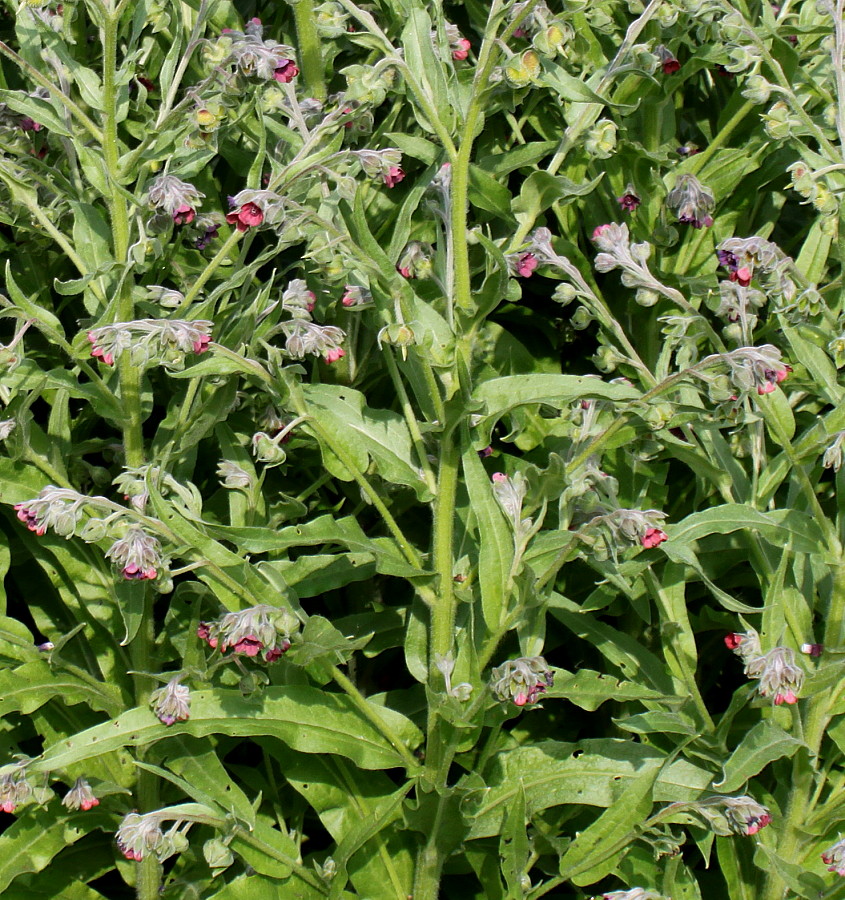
<point x="201" y="345"/>
<point x="98" y="352"/>
<point x="133" y="572"/>
<point x="404" y="271"/>
<point x="249" y="646"/>
<point x="89" y="804"/>
<point x="28" y="124"/>
<point x="8" y="806"/>
<point x="755" y="823"/>
<point x="599" y="230"/>
<point x="526" y="264"/>
<point x="670" y="66"/>
<point x="787" y="697"/>
<point x="732" y="641"/>
<point x="742" y="276"/>
<point x="286" y="71"/>
<point x="814" y="650"/>
<point x="134" y="855"/>
<point x="30" y="519"/>
<point x="653" y="537"/>
<point x="461" y="52"/>
<point x="184" y="214"/>
<point x="487" y="451"/>
<point x="629" y="202"/>
<point x="334" y="355"/>
<point x="247" y="216"/>
<point x="393" y="176"/>
<point x="499" y="477"/>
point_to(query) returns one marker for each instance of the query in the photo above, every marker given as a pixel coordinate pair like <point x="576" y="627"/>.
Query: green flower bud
<point x="646" y="297"/>
<point x="581" y="318"/>
<point x="520" y="71"/>
<point x="756" y="89"/>
<point x="601" y="139"/>
<point x="217" y="855"/>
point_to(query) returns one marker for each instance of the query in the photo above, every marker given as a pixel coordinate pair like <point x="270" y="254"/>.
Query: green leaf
<point x="501" y="395"/>
<point x="812" y="260"/>
<point x="494" y="539"/>
<point x="39" y="834"/>
<point x="364" y="433"/>
<point x="765" y="743"/>
<point x="780" y="527"/>
<point x="307" y="719"/>
<point x="588" y="689"/>
<point x="412" y="145"/>
<point x="592" y="773"/>
<point x="32" y="310"/>
<point x="540" y="190"/>
<point x="567" y="86"/>
<point x="315" y="574"/>
<point x="427" y="69"/>
<point x="321" y="530"/>
<point x="28" y="687"/>
<point x="41" y="111"/>
<point x="591" y="855"/>
<point x="91" y="236"/>
<point x="514" y="848"/>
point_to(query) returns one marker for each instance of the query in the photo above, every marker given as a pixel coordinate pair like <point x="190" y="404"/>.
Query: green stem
<point x="308" y="41"/>
<point x="372" y="716"/>
<point x="111" y="147"/>
<point x="443" y="611"/>
<point x="461" y="288"/>
<point x="697" y="162"/>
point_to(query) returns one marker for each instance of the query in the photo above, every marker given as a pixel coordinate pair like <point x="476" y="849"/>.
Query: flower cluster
<point x="745" y="258"/>
<point x="775" y="671"/>
<point x="745" y="815"/>
<point x="691" y="202"/>
<point x="162" y="341"/>
<point x="14" y="790"/>
<point x="140" y="835"/>
<point x="256" y="57"/>
<point x="458" y="44"/>
<point x="383" y="164"/>
<point x="522" y="680"/>
<point x="172" y="703"/>
<point x="176" y="198"/>
<point x="80" y="796"/>
<point x="61" y="509"/>
<point x="549" y="35"/>
<point x="251" y="208"/>
<point x="258" y="630"/>
<point x="631" y="526"/>
<point x="617" y="252"/>
<point x="756" y="368"/>
<point x="137" y="555"/>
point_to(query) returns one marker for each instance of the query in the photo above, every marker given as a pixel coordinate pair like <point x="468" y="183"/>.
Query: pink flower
<point x="285" y="71"/>
<point x="499" y="477"/>
<point x="8" y="806"/>
<point x="29" y="519"/>
<point x="732" y="641"/>
<point x="789" y="698"/>
<point x="755" y="824"/>
<point x="520" y="699"/>
<point x="742" y="275"/>
<point x="249" y="646"/>
<point x="201" y="345"/>
<point x="404" y="271"/>
<point x="183" y="214"/>
<point x="133" y="572"/>
<point x="629" y="201"/>
<point x="334" y="355"/>
<point x="599" y="230"/>
<point x="653" y="538"/>
<point x="98" y="352"/>
<point x="393" y="176"/>
<point x="526" y="264"/>
<point x="462" y="49"/>
<point x="246" y="216"/>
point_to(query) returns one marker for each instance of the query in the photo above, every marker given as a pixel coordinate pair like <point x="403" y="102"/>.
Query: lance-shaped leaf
<point x="762" y="745"/>
<point x="305" y="718"/>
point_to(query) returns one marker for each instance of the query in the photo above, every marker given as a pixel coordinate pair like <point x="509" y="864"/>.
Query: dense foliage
<point x="420" y="449"/>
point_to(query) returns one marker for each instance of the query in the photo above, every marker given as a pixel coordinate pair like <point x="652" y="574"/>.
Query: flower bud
<point x="521" y="680"/>
<point x="756" y="89"/>
<point x="217" y="854"/>
<point x="520" y="71"/>
<point x="80" y="796"/>
<point x="601" y="139"/>
<point x="266" y="450"/>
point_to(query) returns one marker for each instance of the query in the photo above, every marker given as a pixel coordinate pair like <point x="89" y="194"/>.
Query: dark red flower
<point x="670" y="66"/>
<point x="184" y="214"/>
<point x="286" y="71"/>
<point x="247" y="216"/>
